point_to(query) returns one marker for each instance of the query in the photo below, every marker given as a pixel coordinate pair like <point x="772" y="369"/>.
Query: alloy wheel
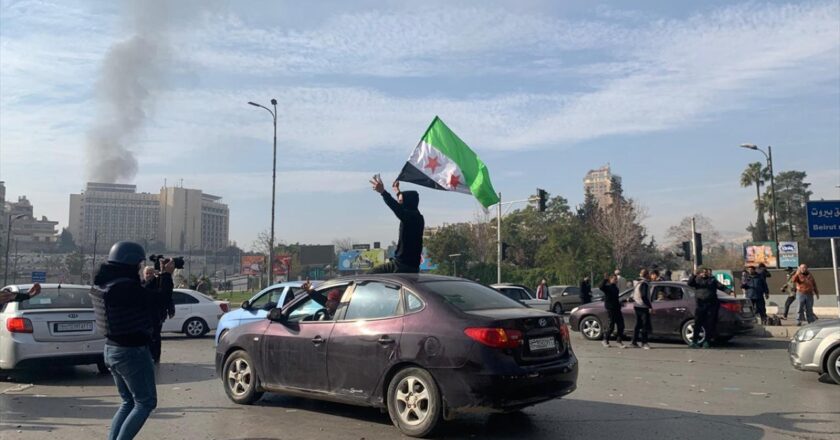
<point x="689" y="333"/>
<point x="412" y="400"/>
<point x="239" y="377"/>
<point x="591" y="328"/>
<point x="837" y="366"/>
<point x="195" y="327"/>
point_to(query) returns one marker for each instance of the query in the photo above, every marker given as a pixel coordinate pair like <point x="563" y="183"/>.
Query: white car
<point x="522" y="294"/>
<point x="195" y="313"/>
<point x="56" y="327"/>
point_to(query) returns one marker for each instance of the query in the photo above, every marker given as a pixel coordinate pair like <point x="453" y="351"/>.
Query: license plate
<point x="62" y="327"/>
<point x="747" y="309"/>
<point x="538" y="344"/>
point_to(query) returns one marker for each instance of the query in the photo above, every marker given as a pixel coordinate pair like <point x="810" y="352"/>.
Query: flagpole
<point x="499" y="240"/>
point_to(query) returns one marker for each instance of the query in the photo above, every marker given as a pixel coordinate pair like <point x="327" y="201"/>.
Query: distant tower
<point x="599" y="182"/>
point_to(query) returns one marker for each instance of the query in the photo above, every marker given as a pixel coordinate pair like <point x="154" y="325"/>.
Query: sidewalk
<point x="784" y="331"/>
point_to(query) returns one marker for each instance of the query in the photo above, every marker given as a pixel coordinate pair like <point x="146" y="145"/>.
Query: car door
<point x="570" y="297"/>
<point x="261" y="305"/>
<point x="365" y="340"/>
<point x="183" y="309"/>
<point x="294" y="353"/>
<point x="670" y="309"/>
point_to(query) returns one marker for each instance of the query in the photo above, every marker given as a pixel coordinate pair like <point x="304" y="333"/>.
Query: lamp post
<point x="769" y="156"/>
<point x="12" y="218"/>
<point x="273" y="185"/>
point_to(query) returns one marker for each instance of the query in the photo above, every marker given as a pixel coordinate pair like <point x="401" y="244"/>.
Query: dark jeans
<point x="134" y="374"/>
<point x="705" y="317"/>
<point x="758" y="305"/>
<point x="806" y="307"/>
<point x="790" y="300"/>
<point x="643" y="326"/>
<point x="393" y="266"/>
<point x="154" y="346"/>
<point x="615" y="319"/>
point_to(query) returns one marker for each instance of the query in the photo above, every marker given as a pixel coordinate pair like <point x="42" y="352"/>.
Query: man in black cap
<point x="410" y="245"/>
<point x="707" y="304"/>
<point x="124" y="311"/>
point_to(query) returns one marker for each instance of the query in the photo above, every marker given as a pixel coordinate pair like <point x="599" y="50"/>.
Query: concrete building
<point x="178" y="219"/>
<point x="600" y="183"/>
<point x="29" y="234"/>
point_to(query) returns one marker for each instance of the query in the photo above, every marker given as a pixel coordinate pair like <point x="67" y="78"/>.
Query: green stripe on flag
<point x="475" y="173"/>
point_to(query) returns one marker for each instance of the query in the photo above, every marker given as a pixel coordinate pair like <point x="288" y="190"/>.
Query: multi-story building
<point x="600" y="183"/>
<point x="176" y="218"/>
<point x="29" y="234"/>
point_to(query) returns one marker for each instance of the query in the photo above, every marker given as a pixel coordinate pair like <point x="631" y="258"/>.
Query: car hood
<point x="824" y="323"/>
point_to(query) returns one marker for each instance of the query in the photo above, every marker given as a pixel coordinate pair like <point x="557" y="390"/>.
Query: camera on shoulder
<point x="157" y="259"/>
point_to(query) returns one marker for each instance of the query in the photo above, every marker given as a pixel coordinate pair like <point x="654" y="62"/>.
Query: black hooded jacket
<point x="124" y="308"/>
<point x="410" y="244"/>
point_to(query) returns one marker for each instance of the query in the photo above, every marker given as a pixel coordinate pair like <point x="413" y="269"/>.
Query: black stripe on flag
<point x="411" y="174"/>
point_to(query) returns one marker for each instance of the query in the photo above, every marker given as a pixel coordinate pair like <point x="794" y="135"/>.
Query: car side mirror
<point x="270" y="305"/>
<point x="245" y="305"/>
<point x="276" y="315"/>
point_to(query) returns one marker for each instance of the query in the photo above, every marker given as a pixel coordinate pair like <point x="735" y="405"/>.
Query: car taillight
<point x="495" y="337"/>
<point x="224" y="307"/>
<point x="564" y="330"/>
<point x="19" y="325"/>
<point x="733" y="307"/>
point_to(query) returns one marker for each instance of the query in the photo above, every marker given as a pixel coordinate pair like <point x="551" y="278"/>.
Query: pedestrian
<point x="755" y="284"/>
<point x="165" y="309"/>
<point x="585" y="291"/>
<point x="642" y="307"/>
<point x="806" y="289"/>
<point x="410" y="245"/>
<point x="707" y="305"/>
<point x="790" y="289"/>
<point x="614" y="317"/>
<point x="124" y="311"/>
<point x="668" y="275"/>
<point x="542" y="290"/>
<point x="7" y="296"/>
<point x="620" y="282"/>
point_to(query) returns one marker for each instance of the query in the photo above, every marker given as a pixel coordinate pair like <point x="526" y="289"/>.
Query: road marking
<point x="17" y="388"/>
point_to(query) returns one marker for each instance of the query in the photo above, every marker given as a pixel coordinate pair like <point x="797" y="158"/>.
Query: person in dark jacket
<point x="707" y="305"/>
<point x="643" y="308"/>
<point x="124" y="314"/>
<point x="585" y="291"/>
<point x="410" y="245"/>
<point x="7" y="296"/>
<point x="166" y="309"/>
<point x="614" y="316"/>
<point x="755" y="284"/>
<point x="789" y="289"/>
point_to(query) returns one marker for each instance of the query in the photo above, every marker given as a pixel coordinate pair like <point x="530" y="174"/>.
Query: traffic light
<point x="686" y="250"/>
<point x="505" y="246"/>
<point x="541" y="199"/>
<point x="698" y="248"/>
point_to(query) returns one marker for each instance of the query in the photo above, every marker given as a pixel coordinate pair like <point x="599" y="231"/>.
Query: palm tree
<point x="756" y="175"/>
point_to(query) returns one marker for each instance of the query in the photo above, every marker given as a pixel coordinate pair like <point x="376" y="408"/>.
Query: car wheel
<point x="688" y="332"/>
<point x="833" y="364"/>
<point x="591" y="328"/>
<point x="102" y="367"/>
<point x="414" y="402"/>
<point x="557" y="308"/>
<point x="195" y="328"/>
<point x="240" y="378"/>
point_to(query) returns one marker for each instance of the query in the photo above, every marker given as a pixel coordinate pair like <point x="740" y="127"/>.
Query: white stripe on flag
<point x="434" y="164"/>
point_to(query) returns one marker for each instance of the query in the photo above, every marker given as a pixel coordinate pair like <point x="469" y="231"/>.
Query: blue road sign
<point x="39" y="277"/>
<point x="823" y="219"/>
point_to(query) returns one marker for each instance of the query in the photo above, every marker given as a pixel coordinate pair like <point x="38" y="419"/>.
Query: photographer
<point x="124" y="311"/>
<point x="166" y="309"/>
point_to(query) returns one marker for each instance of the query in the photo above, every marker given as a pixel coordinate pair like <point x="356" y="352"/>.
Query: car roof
<point x="403" y="278"/>
<point x="509" y="285"/>
<point x="25" y="287"/>
<point x="293" y="284"/>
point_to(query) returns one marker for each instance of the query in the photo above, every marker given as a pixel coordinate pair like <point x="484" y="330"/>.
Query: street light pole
<point x="273" y="186"/>
<point x="769" y="156"/>
<point x="8" y="241"/>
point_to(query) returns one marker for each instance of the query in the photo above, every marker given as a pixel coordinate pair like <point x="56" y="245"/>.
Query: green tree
<point x="756" y="174"/>
<point x="791" y="195"/>
<point x="65" y="241"/>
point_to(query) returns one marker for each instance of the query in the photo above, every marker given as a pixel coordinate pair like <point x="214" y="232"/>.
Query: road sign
<point x="39" y="277"/>
<point x="823" y="219"/>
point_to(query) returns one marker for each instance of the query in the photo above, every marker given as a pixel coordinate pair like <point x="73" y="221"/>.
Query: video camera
<point x="179" y="261"/>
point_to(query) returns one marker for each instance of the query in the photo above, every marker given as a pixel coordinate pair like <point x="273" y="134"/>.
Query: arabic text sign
<point x="823" y="219"/>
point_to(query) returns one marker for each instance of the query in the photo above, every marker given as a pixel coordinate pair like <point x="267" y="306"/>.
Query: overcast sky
<point x="542" y="90"/>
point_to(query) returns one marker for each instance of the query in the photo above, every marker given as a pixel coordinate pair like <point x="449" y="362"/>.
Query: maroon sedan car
<point x="423" y="347"/>
<point x="673" y="317"/>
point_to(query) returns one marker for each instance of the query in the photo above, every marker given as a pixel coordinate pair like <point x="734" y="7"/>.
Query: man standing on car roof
<point x="410" y="245"/>
<point x="707" y="305"/>
<point x="124" y="311"/>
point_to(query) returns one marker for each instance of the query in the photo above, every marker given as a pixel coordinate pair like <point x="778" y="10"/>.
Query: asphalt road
<point x="746" y="390"/>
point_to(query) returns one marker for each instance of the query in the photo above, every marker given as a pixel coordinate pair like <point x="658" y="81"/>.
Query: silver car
<point x="55" y="327"/>
<point x="518" y="292"/>
<point x="816" y="347"/>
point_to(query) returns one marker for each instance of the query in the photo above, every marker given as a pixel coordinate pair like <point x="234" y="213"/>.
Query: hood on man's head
<point x="411" y="199"/>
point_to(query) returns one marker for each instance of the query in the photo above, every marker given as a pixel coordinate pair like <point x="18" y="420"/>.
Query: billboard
<point x="788" y="254"/>
<point x="757" y="252"/>
<point x="426" y="264"/>
<point x="360" y="259"/>
<point x="317" y="255"/>
<point x="252" y="264"/>
<point x="282" y="264"/>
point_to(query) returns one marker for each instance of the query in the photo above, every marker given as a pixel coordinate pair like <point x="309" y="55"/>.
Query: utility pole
<point x="499" y="240"/>
<point x="694" y="244"/>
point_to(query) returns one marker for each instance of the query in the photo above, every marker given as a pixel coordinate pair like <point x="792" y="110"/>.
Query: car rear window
<point x="55" y="298"/>
<point x="469" y="296"/>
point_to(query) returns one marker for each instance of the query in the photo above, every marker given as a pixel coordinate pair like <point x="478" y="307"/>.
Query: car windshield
<point x="468" y="296"/>
<point x="59" y="298"/>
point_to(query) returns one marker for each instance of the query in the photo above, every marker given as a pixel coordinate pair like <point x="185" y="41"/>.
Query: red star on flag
<point x="432" y="163"/>
<point x="454" y="180"/>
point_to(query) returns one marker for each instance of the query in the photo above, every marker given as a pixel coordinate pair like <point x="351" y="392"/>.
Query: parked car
<point x="257" y="308"/>
<point x="484" y="352"/>
<point x="518" y="292"/>
<point x="565" y="298"/>
<point x="816" y="347"/>
<point x="195" y="313"/>
<point x="673" y="314"/>
<point x="57" y="327"/>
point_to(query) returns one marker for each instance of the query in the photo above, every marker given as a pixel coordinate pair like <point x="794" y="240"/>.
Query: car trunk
<point x="62" y="325"/>
<point x="542" y="340"/>
<point x="746" y="312"/>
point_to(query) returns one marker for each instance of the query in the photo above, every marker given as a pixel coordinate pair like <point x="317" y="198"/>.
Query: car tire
<point x="195" y="328"/>
<point x="557" y="308"/>
<point x="688" y="331"/>
<point x="102" y="367"/>
<point x="240" y="378"/>
<point x="591" y="328"/>
<point x="833" y="365"/>
<point x="414" y="402"/>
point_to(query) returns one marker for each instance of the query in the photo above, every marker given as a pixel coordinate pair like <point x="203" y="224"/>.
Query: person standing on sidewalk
<point x="643" y="308"/>
<point x="613" y="306"/>
<point x="585" y="291"/>
<point x="806" y="289"/>
<point x="790" y="289"/>
<point x="755" y="284"/>
<point x="542" y="290"/>
<point x="707" y="305"/>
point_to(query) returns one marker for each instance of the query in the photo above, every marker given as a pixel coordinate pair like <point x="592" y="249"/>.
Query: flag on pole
<point x="443" y="161"/>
